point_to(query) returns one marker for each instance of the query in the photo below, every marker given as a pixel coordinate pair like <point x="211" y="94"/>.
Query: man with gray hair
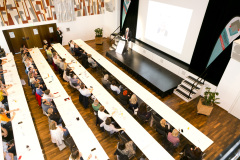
<point x="127" y="36"/>
<point x="105" y="82"/>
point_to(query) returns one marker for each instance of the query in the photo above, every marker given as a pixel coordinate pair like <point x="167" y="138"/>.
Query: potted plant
<point x="98" y="36"/>
<point x="205" y="104"/>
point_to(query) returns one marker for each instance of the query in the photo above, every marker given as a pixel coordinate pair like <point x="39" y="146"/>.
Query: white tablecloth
<point x="79" y="130"/>
<point x="189" y="131"/>
<point x="145" y="142"/>
<point x="24" y="133"/>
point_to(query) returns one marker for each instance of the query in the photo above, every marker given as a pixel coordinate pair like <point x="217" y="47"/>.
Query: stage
<point x="159" y="79"/>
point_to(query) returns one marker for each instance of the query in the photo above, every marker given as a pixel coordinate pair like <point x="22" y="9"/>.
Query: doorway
<point x="30" y="36"/>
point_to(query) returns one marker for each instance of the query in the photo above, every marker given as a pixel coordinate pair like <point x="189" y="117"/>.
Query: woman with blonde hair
<point x="133" y="103"/>
<point x="162" y="127"/>
<point x="173" y="137"/>
<point x="57" y="133"/>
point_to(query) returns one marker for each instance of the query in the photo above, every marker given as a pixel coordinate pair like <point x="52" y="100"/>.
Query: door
<point x="15" y="39"/>
<point x="30" y="36"/>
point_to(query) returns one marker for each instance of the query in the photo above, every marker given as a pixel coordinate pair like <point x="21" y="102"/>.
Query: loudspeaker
<point x="236" y="50"/>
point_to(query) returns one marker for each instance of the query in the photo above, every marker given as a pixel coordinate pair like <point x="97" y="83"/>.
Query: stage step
<point x="192" y="79"/>
<point x="182" y="95"/>
<point x="190" y="84"/>
<point x="183" y="89"/>
<point x="186" y="89"/>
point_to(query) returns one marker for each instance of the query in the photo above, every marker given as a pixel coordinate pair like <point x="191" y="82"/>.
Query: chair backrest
<point x="130" y="111"/>
<point x="115" y="93"/>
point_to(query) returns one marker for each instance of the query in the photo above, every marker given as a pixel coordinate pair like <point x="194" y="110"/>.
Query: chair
<point x="75" y="87"/>
<point x="155" y="118"/>
<point x="160" y="131"/>
<point x="114" y="92"/>
<point x="141" y="118"/>
<point x="130" y="111"/>
<point x="68" y="141"/>
<point x="55" y="66"/>
<point x="80" y="98"/>
<point x="85" y="102"/>
<point x="123" y="156"/>
<point x="39" y="99"/>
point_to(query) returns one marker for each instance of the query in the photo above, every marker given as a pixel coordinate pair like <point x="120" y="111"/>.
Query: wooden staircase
<point x="114" y="45"/>
<point x="190" y="84"/>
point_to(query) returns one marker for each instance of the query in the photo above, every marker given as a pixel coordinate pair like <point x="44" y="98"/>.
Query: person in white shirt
<point x="115" y="88"/>
<point x="91" y="61"/>
<point x="56" y="59"/>
<point x="102" y="115"/>
<point x="84" y="91"/>
<point x="108" y="126"/>
<point x="48" y="96"/>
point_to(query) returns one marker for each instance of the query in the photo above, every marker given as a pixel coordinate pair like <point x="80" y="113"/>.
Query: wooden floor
<point x="220" y="126"/>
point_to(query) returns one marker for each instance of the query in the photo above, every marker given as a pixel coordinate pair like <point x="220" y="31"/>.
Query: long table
<point x="79" y="130"/>
<point x="145" y="142"/>
<point x="26" y="140"/>
<point x="189" y="131"/>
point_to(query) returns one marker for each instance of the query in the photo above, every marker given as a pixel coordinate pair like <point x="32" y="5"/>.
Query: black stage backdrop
<point x="131" y="18"/>
<point x="218" y="14"/>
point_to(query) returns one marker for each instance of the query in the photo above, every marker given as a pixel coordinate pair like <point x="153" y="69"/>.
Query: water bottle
<point x="52" y="78"/>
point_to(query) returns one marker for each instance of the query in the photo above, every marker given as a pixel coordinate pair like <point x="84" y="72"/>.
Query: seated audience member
<point x="128" y="148"/>
<point x="57" y="133"/>
<point x="75" y="81"/>
<point x="46" y="105"/>
<point x="77" y="50"/>
<point x="56" y="59"/>
<point x="91" y="61"/>
<point x="124" y="97"/>
<point x="61" y="67"/>
<point x="85" y="60"/>
<point x="105" y="81"/>
<point x="173" y="137"/>
<point x="45" y="44"/>
<point x="142" y="111"/>
<point x="96" y="105"/>
<point x="3" y="95"/>
<point x="8" y="156"/>
<point x="108" y="126"/>
<point x="133" y="103"/>
<point x="49" y="54"/>
<point x="115" y="88"/>
<point x="39" y="90"/>
<point x="47" y="95"/>
<point x="54" y="116"/>
<point x="163" y="128"/>
<point x="7" y="134"/>
<point x="192" y="152"/>
<point x="85" y="91"/>
<point x="3" y="61"/>
<point x="68" y="72"/>
<point x="11" y="147"/>
<point x="32" y="79"/>
<point x="75" y="155"/>
<point x="102" y="115"/>
<point x="64" y="66"/>
<point x="23" y="48"/>
<point x="71" y="45"/>
<point x="3" y="116"/>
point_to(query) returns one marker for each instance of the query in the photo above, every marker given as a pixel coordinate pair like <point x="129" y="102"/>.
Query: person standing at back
<point x="59" y="35"/>
<point x="127" y="36"/>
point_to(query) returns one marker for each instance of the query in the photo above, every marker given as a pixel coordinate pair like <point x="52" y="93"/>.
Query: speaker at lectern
<point x="120" y="46"/>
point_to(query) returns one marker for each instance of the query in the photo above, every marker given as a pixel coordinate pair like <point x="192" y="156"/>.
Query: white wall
<point x="82" y="28"/>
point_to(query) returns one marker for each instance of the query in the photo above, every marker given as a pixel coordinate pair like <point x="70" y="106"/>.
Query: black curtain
<point x="131" y="18"/>
<point x="218" y="14"/>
